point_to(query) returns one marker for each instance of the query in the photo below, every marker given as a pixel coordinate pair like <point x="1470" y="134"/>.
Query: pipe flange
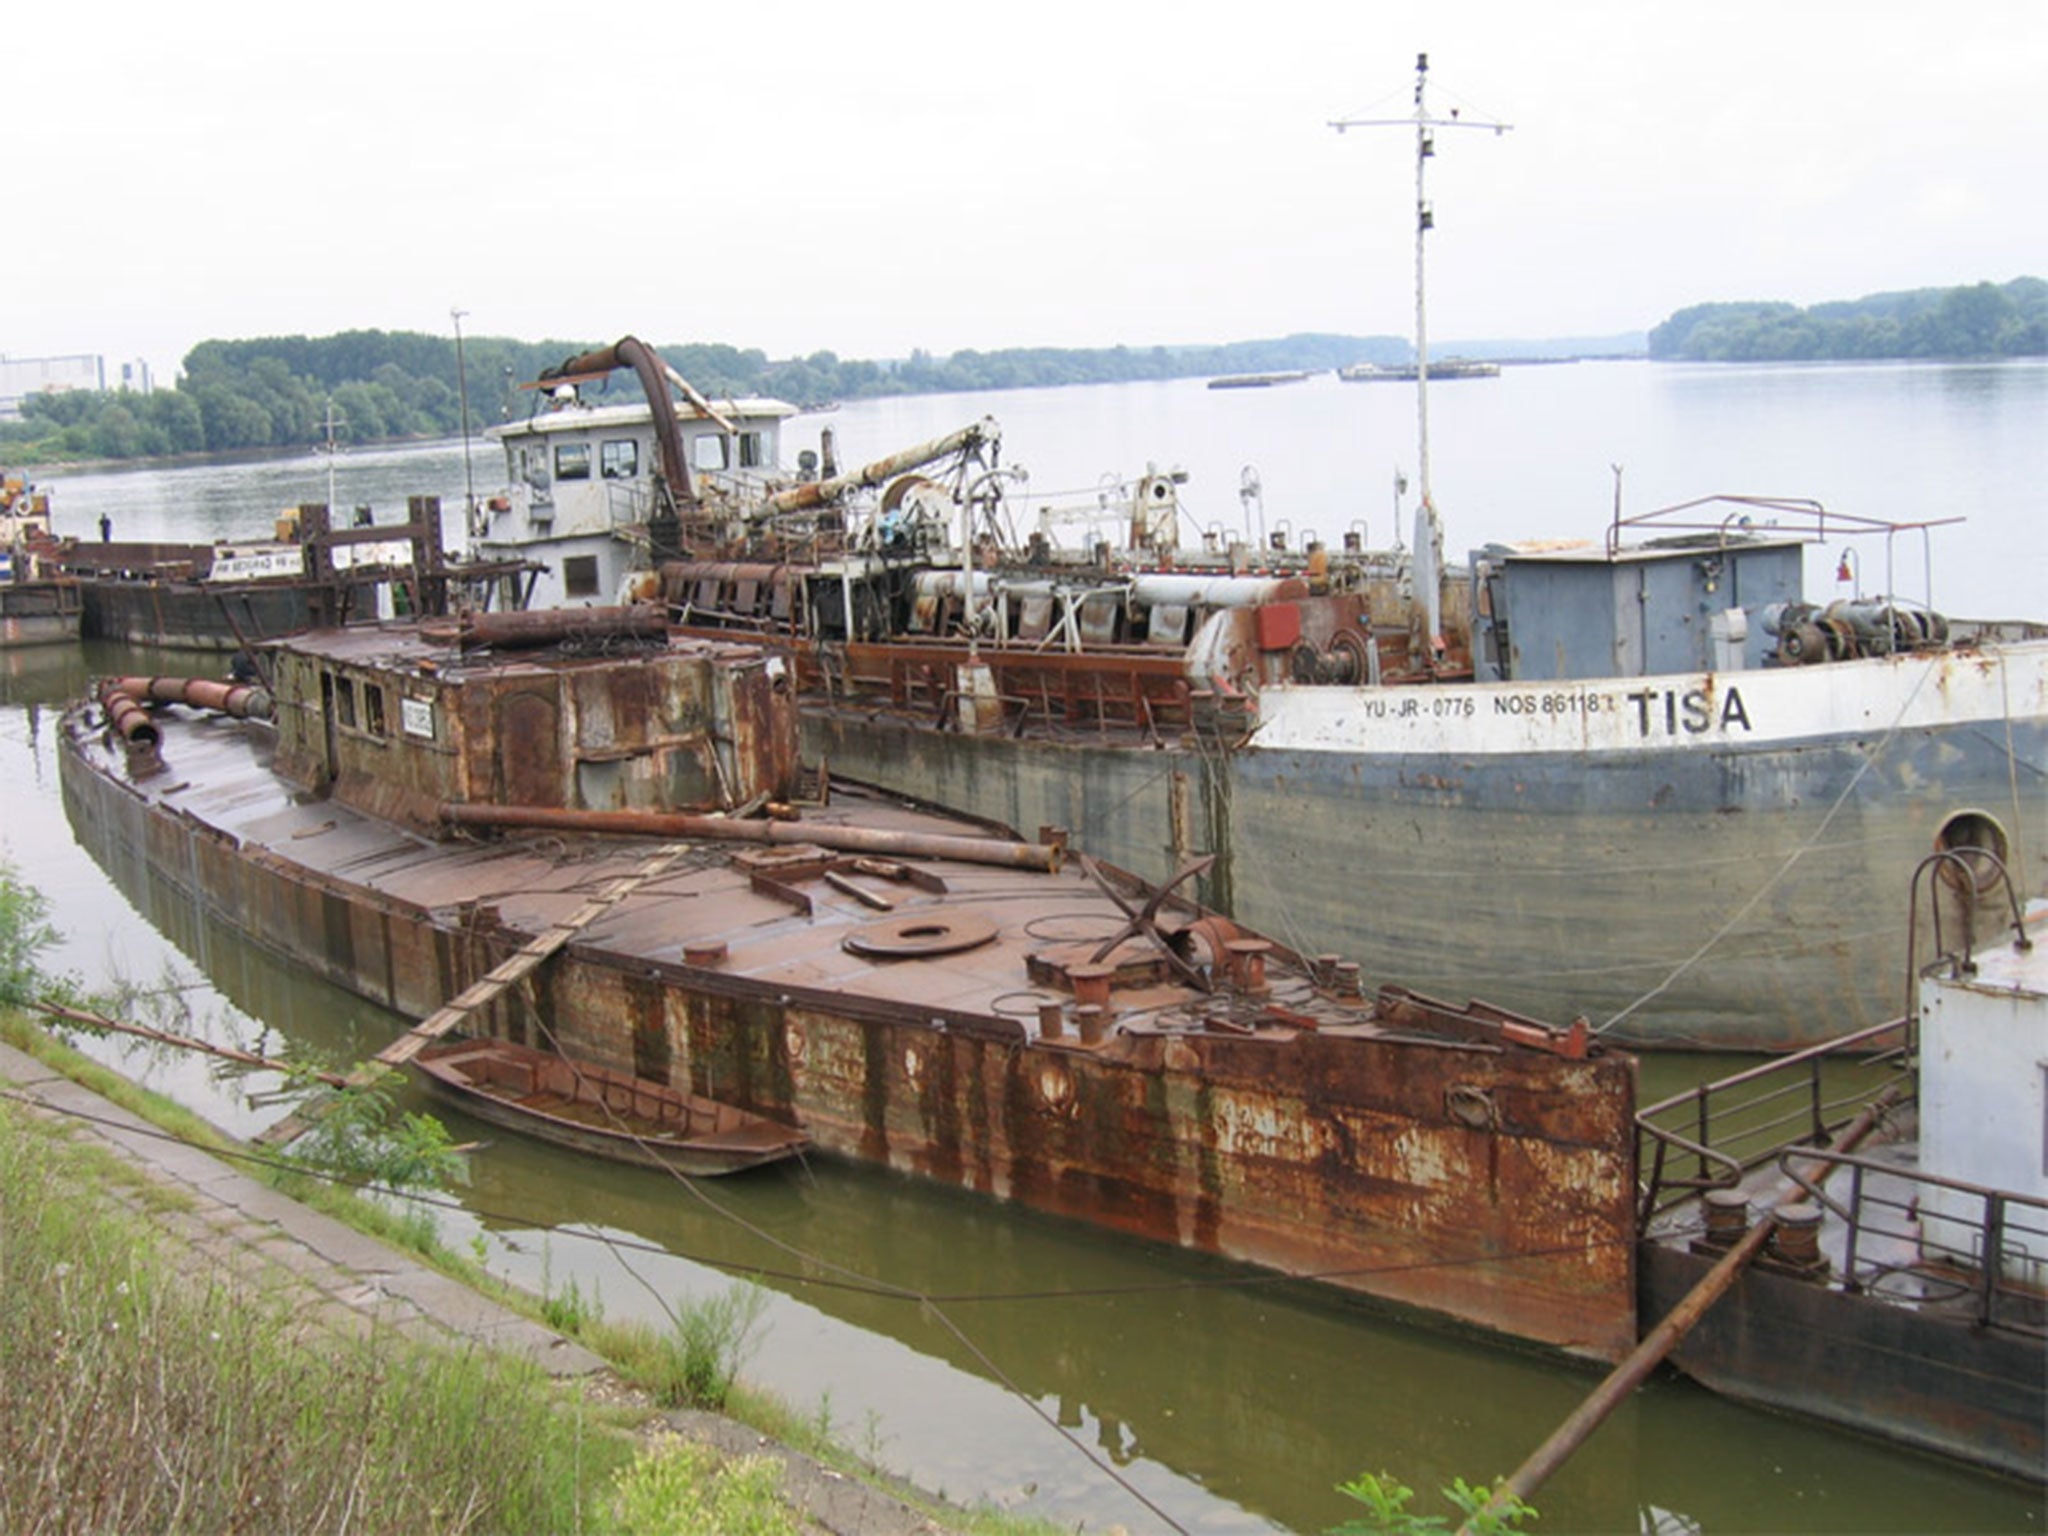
<point x="917" y="935"/>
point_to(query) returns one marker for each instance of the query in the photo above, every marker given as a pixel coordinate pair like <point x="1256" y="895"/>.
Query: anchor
<point x="1144" y="922"/>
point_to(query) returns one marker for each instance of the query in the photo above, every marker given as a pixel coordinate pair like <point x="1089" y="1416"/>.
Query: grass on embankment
<point x="357" y="1414"/>
<point x="142" y="1391"/>
<point x="138" y="1398"/>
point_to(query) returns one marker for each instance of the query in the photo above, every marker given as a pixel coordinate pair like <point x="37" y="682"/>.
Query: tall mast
<point x="1425" y="146"/>
<point x="332" y="447"/>
<point x="468" y="479"/>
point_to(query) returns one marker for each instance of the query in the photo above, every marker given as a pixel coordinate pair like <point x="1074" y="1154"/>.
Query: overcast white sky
<point x="873" y="177"/>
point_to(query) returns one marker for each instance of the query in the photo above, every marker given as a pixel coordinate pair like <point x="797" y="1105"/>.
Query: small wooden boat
<point x="605" y="1113"/>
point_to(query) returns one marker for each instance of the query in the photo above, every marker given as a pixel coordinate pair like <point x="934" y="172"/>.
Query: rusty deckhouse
<point x="901" y="986"/>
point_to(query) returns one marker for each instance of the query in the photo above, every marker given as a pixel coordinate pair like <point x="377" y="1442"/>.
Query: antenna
<point x="462" y="385"/>
<point x="332" y="448"/>
<point x="1425" y="127"/>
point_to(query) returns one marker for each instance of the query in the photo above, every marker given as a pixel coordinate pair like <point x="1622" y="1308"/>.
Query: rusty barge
<point x="311" y="574"/>
<point x="900" y="986"/>
<point x="37" y="607"/>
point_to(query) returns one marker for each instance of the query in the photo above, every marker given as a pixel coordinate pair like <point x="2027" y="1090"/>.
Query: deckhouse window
<point x="709" y="451"/>
<point x="751" y="456"/>
<point x="572" y="461"/>
<point x="373" y="709"/>
<point x="345" y="702"/>
<point x="579" y="576"/>
<point x="619" y="459"/>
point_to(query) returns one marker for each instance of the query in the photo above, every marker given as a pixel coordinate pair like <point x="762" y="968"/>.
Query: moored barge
<point x="37" y="607"/>
<point x="229" y="595"/>
<point x="900" y="986"/>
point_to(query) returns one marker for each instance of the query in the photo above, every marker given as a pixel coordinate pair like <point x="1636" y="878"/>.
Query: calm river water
<point x="1232" y="1403"/>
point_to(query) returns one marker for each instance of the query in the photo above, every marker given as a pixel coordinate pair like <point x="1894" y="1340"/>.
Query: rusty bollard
<point x="1052" y="1023"/>
<point x="1248" y="963"/>
<point x="1795" y="1241"/>
<point x="1093" y="1022"/>
<point x="1091" y="984"/>
<point x="1727" y="1214"/>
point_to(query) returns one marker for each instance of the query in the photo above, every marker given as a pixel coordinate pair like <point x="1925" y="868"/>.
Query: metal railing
<point x="1710" y="1136"/>
<point x="1975" y="1249"/>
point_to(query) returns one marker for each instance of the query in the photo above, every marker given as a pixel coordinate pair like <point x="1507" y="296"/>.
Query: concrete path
<point x="357" y="1284"/>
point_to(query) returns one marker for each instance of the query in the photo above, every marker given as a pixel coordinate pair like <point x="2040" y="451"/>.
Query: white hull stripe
<point x="1703" y="710"/>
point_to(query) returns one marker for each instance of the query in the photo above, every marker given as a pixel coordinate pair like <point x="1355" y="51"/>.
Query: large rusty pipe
<point x="631" y="352"/>
<point x="1659" y="1341"/>
<point x="532" y="627"/>
<point x="817" y="492"/>
<point x="240" y="700"/>
<point x="128" y="717"/>
<point x="934" y="845"/>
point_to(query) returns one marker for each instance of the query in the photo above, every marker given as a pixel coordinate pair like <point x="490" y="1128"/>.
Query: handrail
<point x="1788" y="517"/>
<point x="1973" y="1250"/>
<point x="1729" y="1133"/>
<point x="1970" y="868"/>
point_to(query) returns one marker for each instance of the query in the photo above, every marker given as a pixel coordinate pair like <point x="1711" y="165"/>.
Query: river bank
<point x="220" y="1226"/>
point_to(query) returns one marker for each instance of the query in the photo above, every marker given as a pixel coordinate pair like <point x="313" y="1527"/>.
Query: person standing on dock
<point x="106" y="529"/>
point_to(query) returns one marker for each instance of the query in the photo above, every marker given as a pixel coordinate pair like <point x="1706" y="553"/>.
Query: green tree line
<point x="275" y="391"/>
<point x="1972" y="321"/>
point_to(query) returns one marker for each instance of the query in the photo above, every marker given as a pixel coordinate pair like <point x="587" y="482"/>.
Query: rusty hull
<point x="1899" y="1373"/>
<point x="1290" y="1127"/>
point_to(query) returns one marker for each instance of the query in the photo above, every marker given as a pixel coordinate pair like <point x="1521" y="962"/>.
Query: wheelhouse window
<point x="373" y="710"/>
<point x="619" y="459"/>
<point x="751" y="454"/>
<point x="572" y="461"/>
<point x="345" y="702"/>
<point x="579" y="576"/>
<point x="710" y="451"/>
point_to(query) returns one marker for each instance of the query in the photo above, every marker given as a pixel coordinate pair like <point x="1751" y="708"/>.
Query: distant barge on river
<point x="230" y="595"/>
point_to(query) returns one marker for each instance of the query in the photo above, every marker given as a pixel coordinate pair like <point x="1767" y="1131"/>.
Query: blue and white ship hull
<point x="1690" y="859"/>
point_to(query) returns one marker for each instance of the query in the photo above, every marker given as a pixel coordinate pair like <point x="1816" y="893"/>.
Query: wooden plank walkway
<point x="509" y="972"/>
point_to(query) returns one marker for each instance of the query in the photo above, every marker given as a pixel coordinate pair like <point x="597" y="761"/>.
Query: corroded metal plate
<point x="918" y="934"/>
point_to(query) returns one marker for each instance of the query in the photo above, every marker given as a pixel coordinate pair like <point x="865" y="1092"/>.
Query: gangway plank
<point x="507" y="973"/>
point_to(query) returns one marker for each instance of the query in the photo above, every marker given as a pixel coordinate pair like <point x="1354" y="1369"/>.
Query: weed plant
<point x="25" y="933"/>
<point x="696" y="1363"/>
<point x="679" y="1488"/>
<point x="1386" y="1498"/>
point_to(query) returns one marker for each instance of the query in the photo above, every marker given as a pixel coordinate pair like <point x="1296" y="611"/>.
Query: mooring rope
<point x="1777" y="876"/>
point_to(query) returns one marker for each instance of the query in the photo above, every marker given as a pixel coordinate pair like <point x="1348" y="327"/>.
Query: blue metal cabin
<point x="1690" y="604"/>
